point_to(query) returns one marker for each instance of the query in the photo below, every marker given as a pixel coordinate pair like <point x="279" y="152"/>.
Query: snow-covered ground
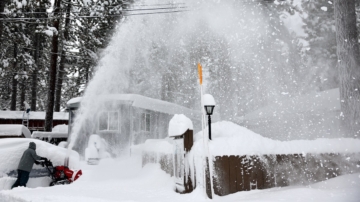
<point x="125" y="180"/>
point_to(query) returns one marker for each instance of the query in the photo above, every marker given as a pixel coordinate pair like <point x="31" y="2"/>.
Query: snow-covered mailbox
<point x="96" y="150"/>
<point x="181" y="130"/>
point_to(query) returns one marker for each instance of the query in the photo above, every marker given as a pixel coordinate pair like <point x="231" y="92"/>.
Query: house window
<point x="145" y="122"/>
<point x="109" y="121"/>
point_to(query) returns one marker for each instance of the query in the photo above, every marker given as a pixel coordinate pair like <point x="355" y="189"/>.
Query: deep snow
<point x="124" y="180"/>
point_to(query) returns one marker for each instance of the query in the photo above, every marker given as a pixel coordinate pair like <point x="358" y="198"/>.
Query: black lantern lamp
<point x="209" y="109"/>
<point x="209" y="105"/>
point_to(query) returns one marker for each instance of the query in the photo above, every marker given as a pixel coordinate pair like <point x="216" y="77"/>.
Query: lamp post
<point x="209" y="105"/>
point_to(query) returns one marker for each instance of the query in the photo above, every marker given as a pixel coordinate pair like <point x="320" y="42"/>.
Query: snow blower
<point x="61" y="174"/>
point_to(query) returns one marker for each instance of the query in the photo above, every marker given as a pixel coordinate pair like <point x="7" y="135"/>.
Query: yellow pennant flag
<point x="200" y="72"/>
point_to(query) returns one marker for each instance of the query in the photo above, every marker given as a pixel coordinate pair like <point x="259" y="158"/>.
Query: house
<point x="128" y="119"/>
<point x="36" y="120"/>
<point x="316" y="115"/>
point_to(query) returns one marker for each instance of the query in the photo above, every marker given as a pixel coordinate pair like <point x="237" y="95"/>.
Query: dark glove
<point x="37" y="162"/>
<point x="43" y="158"/>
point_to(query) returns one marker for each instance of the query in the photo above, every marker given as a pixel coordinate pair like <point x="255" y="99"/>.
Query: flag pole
<point x="203" y="127"/>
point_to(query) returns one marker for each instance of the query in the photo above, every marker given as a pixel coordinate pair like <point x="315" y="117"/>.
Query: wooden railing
<point x="243" y="173"/>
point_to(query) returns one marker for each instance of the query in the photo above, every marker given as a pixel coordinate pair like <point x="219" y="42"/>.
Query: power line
<point x="79" y="17"/>
<point x="128" y="10"/>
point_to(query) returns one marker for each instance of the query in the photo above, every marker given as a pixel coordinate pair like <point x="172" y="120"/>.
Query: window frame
<point x="145" y="122"/>
<point x="109" y="123"/>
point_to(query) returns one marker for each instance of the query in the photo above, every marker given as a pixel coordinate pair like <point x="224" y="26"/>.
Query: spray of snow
<point x="231" y="29"/>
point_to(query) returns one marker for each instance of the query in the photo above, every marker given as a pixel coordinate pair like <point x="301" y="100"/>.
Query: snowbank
<point x="14" y="130"/>
<point x="50" y="135"/>
<point x="11" y="150"/>
<point x="179" y="124"/>
<point x="63" y="128"/>
<point x="231" y="139"/>
<point x="59" y="131"/>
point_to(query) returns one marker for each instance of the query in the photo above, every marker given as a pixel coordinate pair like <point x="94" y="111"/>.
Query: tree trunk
<point x="62" y="60"/>
<point x="22" y="93"/>
<point x="2" y="8"/>
<point x="87" y="75"/>
<point x="348" y="66"/>
<point x="34" y="75"/>
<point x="52" y="71"/>
<point x="14" y="81"/>
<point x="13" y="93"/>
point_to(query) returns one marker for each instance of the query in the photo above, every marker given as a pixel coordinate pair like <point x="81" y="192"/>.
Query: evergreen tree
<point x="320" y="29"/>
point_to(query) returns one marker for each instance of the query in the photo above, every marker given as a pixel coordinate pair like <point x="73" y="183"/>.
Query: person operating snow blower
<point x="26" y="163"/>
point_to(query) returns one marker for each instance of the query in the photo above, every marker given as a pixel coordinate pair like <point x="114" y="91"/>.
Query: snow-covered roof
<point x="33" y="115"/>
<point x="14" y="130"/>
<point x="315" y="102"/>
<point x="74" y="102"/>
<point x="40" y="134"/>
<point x="143" y="102"/>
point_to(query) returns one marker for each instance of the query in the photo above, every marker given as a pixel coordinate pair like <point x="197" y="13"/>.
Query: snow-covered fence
<point x="243" y="173"/>
<point x="159" y="151"/>
<point x="165" y="161"/>
<point x="172" y="158"/>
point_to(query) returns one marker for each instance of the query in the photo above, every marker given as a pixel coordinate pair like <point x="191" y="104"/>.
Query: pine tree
<point x="320" y="29"/>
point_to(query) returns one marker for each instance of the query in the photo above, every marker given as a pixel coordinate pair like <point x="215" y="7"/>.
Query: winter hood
<point x="32" y="145"/>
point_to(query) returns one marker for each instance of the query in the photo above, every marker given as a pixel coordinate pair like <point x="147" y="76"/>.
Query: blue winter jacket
<point x="28" y="158"/>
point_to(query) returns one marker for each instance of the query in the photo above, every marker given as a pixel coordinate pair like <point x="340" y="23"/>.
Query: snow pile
<point x="59" y="131"/>
<point x="158" y="146"/>
<point x="49" y="135"/>
<point x="11" y="150"/>
<point x="209" y="100"/>
<point x="14" y="130"/>
<point x="179" y="124"/>
<point x="74" y="100"/>
<point x="61" y="128"/>
<point x="231" y="139"/>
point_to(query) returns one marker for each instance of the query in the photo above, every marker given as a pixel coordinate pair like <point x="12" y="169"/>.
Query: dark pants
<point x="22" y="179"/>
